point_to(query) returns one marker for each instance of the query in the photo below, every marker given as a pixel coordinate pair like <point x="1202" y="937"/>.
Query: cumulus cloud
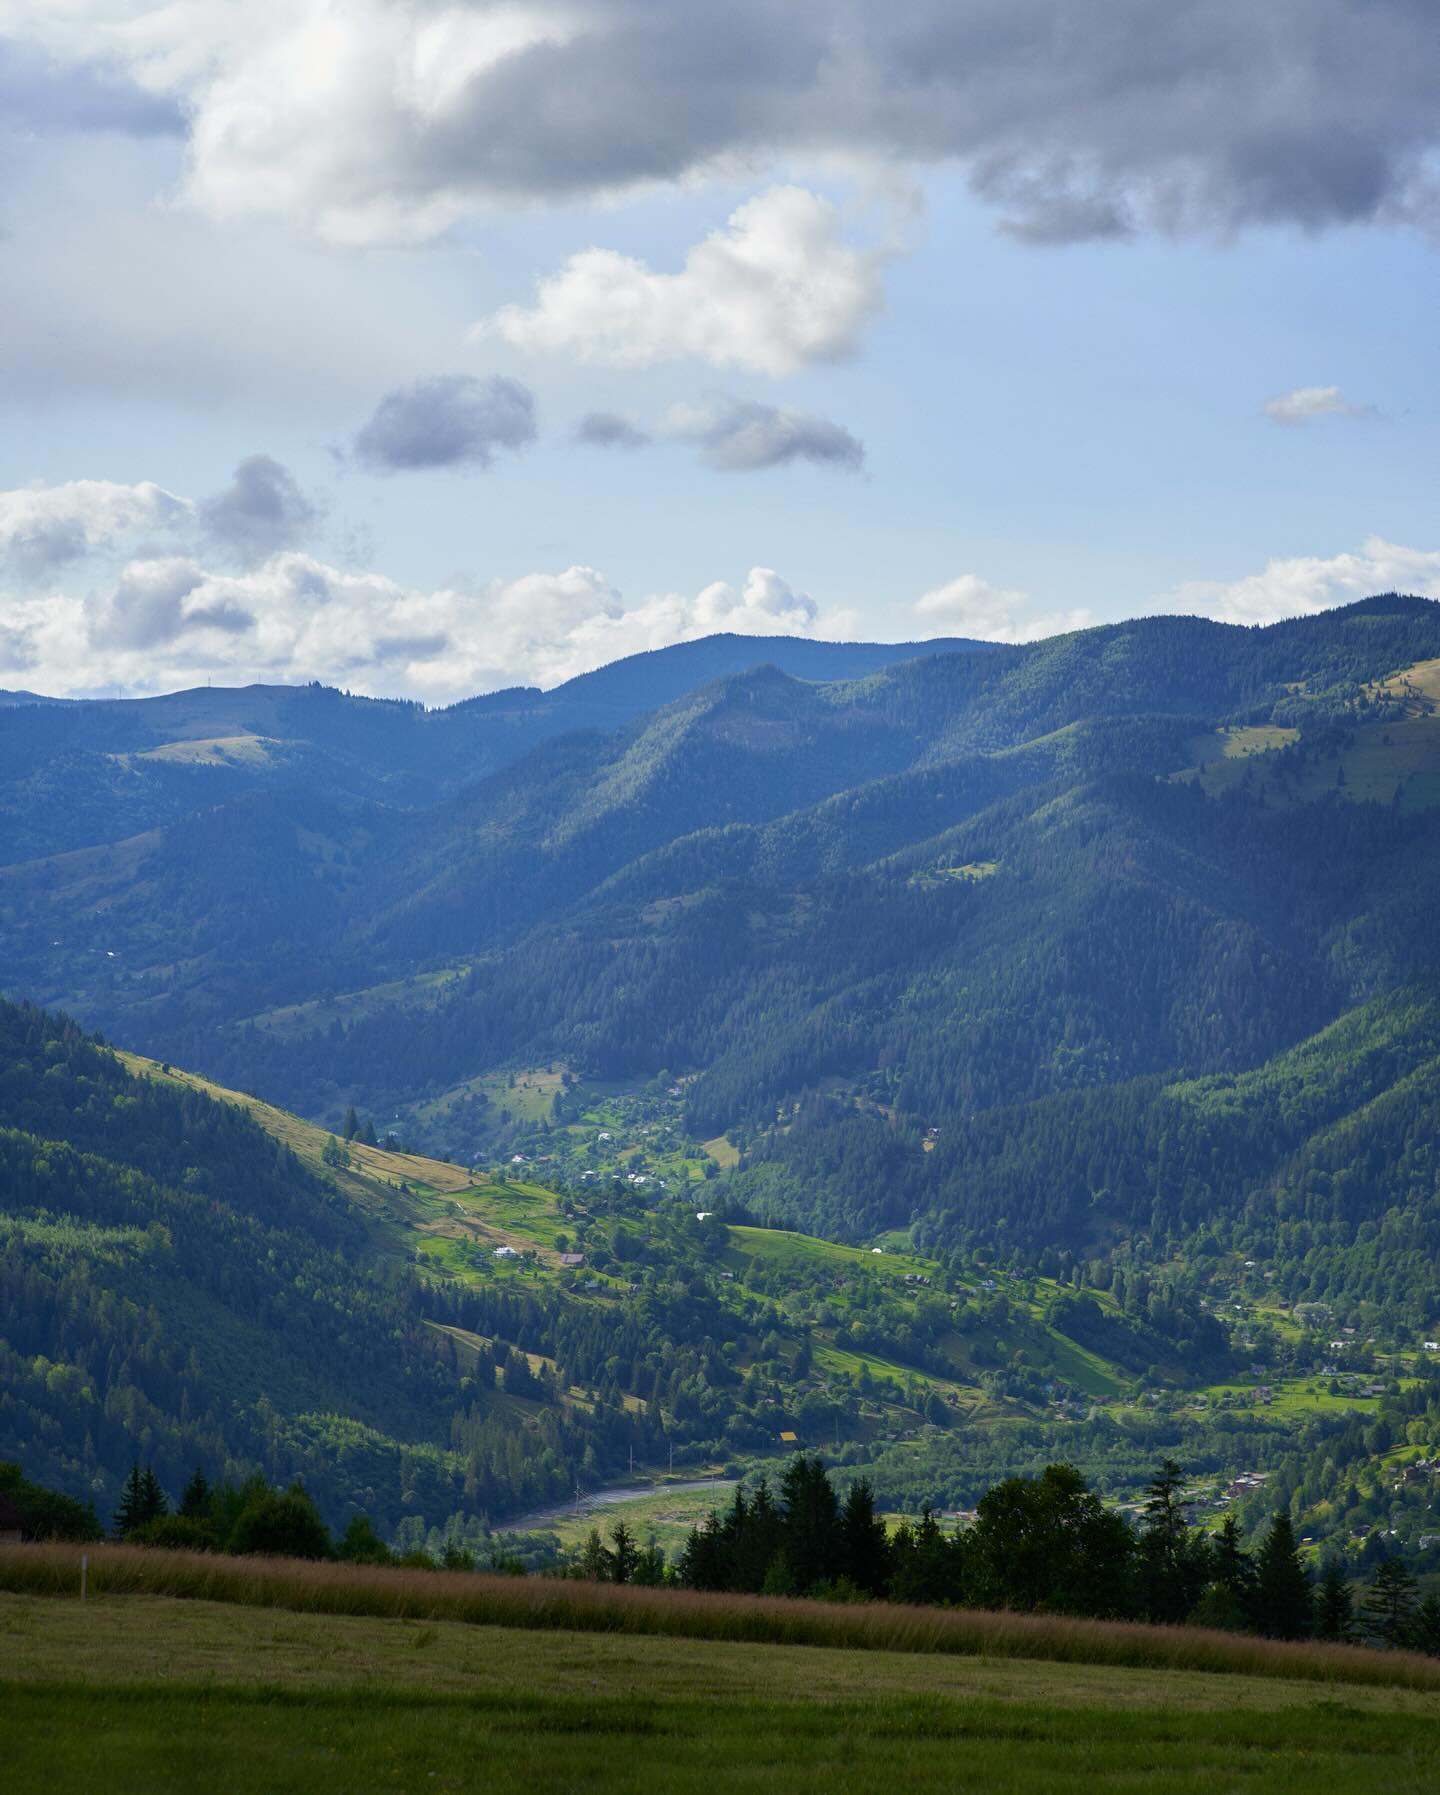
<point x="777" y="289"/>
<point x="1075" y="118"/>
<point x="146" y="608"/>
<point x="608" y="430"/>
<point x="971" y="606"/>
<point x="44" y="527"/>
<point x="261" y="511"/>
<point x="745" y="436"/>
<point x="1306" y="403"/>
<point x="450" y="420"/>
<point x="1301" y="585"/>
<point x="168" y="622"/>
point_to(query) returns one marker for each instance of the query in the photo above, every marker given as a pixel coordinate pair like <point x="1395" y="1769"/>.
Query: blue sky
<point x="946" y="366"/>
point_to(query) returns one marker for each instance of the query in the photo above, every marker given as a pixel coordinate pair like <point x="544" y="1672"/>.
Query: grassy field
<point x="781" y="1246"/>
<point x="666" y="1516"/>
<point x="1394" y="761"/>
<point x="141" y="1693"/>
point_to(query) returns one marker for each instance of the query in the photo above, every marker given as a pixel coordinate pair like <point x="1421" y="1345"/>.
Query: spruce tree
<point x="1172" y="1569"/>
<point x="142" y="1500"/>
<point x="1230" y="1563"/>
<point x="1390" y="1601"/>
<point x="352" y="1123"/>
<point x="623" y="1555"/>
<point x="128" y="1514"/>
<point x="1334" y="1605"/>
<point x="865" y="1551"/>
<point x="195" y="1501"/>
<point x="152" y="1496"/>
<point x="1280" y="1601"/>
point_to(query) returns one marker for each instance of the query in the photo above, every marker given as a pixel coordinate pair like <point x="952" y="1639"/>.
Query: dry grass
<point x="585" y="1607"/>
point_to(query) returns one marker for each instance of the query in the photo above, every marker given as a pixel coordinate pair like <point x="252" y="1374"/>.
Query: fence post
<point x="84" y="1573"/>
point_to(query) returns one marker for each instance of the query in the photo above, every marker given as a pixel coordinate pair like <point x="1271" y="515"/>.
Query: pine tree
<point x="152" y="1495"/>
<point x="142" y="1500"/>
<point x="623" y="1555"/>
<point x="1334" y="1605"/>
<point x="128" y="1510"/>
<point x="1230" y="1563"/>
<point x="352" y="1123"/>
<point x="866" y="1553"/>
<point x="1390" y="1601"/>
<point x="1280" y="1601"/>
<point x="1171" y="1568"/>
<point x="812" y="1522"/>
<point x="1423" y="1632"/>
<point x="195" y="1502"/>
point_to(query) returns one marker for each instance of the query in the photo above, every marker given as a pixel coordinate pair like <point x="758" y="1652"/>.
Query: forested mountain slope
<point x="176" y="1285"/>
<point x="192" y="1278"/>
<point x="73" y="775"/>
<point x="869" y="922"/>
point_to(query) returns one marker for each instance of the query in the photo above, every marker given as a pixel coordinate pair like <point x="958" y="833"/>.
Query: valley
<point x="952" y="1063"/>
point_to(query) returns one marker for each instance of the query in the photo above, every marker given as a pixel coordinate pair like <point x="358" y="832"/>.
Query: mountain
<point x="867" y="922"/>
<point x="79" y="774"/>
<point x="193" y="1277"/>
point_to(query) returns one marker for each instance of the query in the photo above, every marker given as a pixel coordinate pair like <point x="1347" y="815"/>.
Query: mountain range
<point x="1092" y="984"/>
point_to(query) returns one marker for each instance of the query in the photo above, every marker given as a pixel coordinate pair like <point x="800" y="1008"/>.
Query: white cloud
<point x="777" y="289"/>
<point x="971" y="606"/>
<point x="1301" y="585"/>
<point x="44" y="527"/>
<point x="170" y="623"/>
<point x="1307" y="403"/>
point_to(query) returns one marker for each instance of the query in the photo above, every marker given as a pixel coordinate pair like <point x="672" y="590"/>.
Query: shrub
<point x="178" y="1533"/>
<point x="280" y="1526"/>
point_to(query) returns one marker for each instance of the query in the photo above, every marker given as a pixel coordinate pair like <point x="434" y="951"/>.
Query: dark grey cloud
<point x="745" y="436"/>
<point x="262" y="511"/>
<point x="1078" y="118"/>
<point x="410" y="648"/>
<point x="232" y="620"/>
<point x="451" y="420"/>
<point x="608" y="430"/>
<point x="38" y="95"/>
<point x="146" y="608"/>
<point x="45" y="544"/>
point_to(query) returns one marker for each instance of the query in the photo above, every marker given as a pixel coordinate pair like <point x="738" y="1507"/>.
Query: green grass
<point x="1380" y="759"/>
<point x="667" y="1518"/>
<point x="143" y="1694"/>
<point x="1083" y="1368"/>
<point x="545" y="1604"/>
<point x="780" y="1246"/>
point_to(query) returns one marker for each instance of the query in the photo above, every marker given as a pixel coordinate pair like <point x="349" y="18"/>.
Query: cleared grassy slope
<point x="448" y="1208"/>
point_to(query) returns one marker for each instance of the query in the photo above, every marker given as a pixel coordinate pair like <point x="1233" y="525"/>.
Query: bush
<point x="361" y="1544"/>
<point x="178" y="1533"/>
<point x="280" y="1526"/>
<point x="46" y="1513"/>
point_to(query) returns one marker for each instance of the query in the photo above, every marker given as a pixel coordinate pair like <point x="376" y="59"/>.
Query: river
<point x="591" y="1503"/>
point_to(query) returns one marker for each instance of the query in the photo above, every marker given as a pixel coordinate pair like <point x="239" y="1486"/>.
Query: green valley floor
<point x="134" y="1694"/>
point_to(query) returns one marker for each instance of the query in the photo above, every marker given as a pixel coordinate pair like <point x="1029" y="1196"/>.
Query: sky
<point x="430" y="348"/>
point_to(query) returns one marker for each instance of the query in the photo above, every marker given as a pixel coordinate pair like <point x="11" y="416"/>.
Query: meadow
<point x="145" y="1692"/>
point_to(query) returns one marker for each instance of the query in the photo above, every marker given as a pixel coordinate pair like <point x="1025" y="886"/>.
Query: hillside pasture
<point x="781" y="1246"/>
